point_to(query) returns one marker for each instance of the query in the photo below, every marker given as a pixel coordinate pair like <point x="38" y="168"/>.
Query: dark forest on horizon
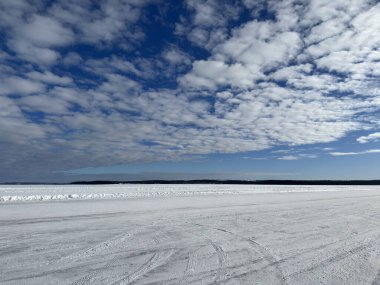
<point x="210" y="181"/>
<point x="238" y="182"/>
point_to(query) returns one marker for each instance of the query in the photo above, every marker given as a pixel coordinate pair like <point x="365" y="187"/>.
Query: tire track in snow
<point x="143" y="269"/>
<point x="267" y="255"/>
<point x="222" y="262"/>
<point x="100" y="247"/>
<point x="157" y="259"/>
<point x="222" y="256"/>
<point x="270" y="258"/>
<point x="190" y="266"/>
<point x="108" y="244"/>
<point x="337" y="257"/>
<point x="90" y="278"/>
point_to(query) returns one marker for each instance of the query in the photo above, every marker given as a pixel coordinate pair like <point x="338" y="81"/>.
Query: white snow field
<point x="189" y="234"/>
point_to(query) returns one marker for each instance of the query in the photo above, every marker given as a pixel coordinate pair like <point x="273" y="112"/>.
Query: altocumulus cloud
<point x="89" y="83"/>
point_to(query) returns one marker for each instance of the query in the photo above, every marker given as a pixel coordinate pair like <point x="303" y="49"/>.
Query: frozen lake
<point x="189" y="234"/>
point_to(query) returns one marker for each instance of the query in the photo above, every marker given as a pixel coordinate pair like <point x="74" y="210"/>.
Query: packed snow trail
<point x="293" y="237"/>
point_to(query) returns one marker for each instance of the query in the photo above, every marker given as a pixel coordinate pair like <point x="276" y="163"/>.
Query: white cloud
<point x="44" y="103"/>
<point x="305" y="111"/>
<point x="19" y="86"/>
<point x="14" y="127"/>
<point x="176" y="56"/>
<point x="208" y="23"/>
<point x="369" y="138"/>
<point x="289" y="157"/>
<point x="72" y="58"/>
<point x="293" y="154"/>
<point x="211" y="73"/>
<point x="44" y="31"/>
<point x="49" y="77"/>
<point x="355" y="153"/>
<point x="35" y="36"/>
<point x="113" y="19"/>
<point x="30" y="35"/>
<point x="27" y="51"/>
<point x="242" y="59"/>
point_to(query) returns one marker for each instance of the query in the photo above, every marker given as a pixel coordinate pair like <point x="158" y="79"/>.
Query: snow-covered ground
<point x="27" y="193"/>
<point x="189" y="234"/>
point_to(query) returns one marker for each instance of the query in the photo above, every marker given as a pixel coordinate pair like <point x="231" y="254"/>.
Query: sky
<point x="150" y="89"/>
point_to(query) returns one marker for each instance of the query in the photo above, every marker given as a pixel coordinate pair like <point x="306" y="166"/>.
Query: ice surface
<point x="191" y="234"/>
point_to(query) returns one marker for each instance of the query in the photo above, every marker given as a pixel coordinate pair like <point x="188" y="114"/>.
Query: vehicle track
<point x="100" y="247"/>
<point x="190" y="266"/>
<point x="346" y="253"/>
<point x="222" y="262"/>
<point x="330" y="260"/>
<point x="157" y="259"/>
<point x="109" y="244"/>
<point x="143" y="269"/>
<point x="91" y="277"/>
<point x="264" y="251"/>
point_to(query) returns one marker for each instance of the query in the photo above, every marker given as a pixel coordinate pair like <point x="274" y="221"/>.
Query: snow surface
<point x="190" y="234"/>
<point x="25" y="193"/>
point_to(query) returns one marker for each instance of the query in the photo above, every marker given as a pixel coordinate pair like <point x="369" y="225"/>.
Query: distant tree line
<point x="238" y="182"/>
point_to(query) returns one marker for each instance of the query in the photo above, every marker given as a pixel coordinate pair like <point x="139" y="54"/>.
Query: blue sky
<point x="150" y="89"/>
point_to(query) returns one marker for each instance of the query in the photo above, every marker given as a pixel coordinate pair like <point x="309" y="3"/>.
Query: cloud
<point x="316" y="104"/>
<point x="35" y="32"/>
<point x="211" y="73"/>
<point x="49" y="78"/>
<point x="86" y="85"/>
<point x="72" y="58"/>
<point x="33" y="36"/>
<point x="34" y="54"/>
<point x="297" y="156"/>
<point x="19" y="86"/>
<point x="44" y="31"/>
<point x="176" y="56"/>
<point x="289" y="157"/>
<point x="14" y="127"/>
<point x="101" y="23"/>
<point x="208" y="22"/>
<point x="355" y="153"/>
<point x="44" y="103"/>
<point x="369" y="138"/>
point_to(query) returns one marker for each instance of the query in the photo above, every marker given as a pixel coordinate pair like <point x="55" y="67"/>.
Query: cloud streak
<point x="369" y="151"/>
